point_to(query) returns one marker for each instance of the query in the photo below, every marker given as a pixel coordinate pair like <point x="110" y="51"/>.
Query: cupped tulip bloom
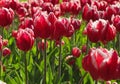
<point x="108" y="34"/>
<point x="100" y="30"/>
<point x="6" y="16"/>
<point x="47" y="6"/>
<point x="65" y="7"/>
<point x="24" y="39"/>
<point x="42" y="26"/>
<point x="59" y="30"/>
<point x="76" y="23"/>
<point x="14" y="4"/>
<point x="52" y="18"/>
<point x="4" y="3"/>
<point x="27" y="23"/>
<point x="5" y="42"/>
<point x="93" y="31"/>
<point x="70" y="60"/>
<point x="101" y="5"/>
<point x="90" y="13"/>
<point x="84" y="48"/>
<point x="101" y="63"/>
<point x="6" y="51"/>
<point x="116" y="22"/>
<point x="76" y="52"/>
<point x="69" y="29"/>
<point x="75" y="7"/>
<point x="110" y="10"/>
<point x="84" y="2"/>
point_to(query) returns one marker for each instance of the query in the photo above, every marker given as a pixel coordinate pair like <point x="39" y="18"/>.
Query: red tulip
<point x="6" y="51"/>
<point x="22" y="11"/>
<point x="47" y="6"/>
<point x="110" y="10"/>
<point x="65" y="7"/>
<point x="69" y="29"/>
<point x="24" y="39"/>
<point x="101" y="5"/>
<point x="59" y="30"/>
<point x="76" y="23"/>
<point x="26" y="23"/>
<point x="57" y="10"/>
<point x="116" y="22"/>
<point x="101" y="63"/>
<point x="52" y="18"/>
<point x="93" y="31"/>
<point x="42" y="26"/>
<point x="6" y="16"/>
<point x="100" y="30"/>
<point x="14" y="4"/>
<point x="70" y="60"/>
<point x="76" y="52"/>
<point x="90" y="12"/>
<point x="84" y="48"/>
<point x="108" y="34"/>
<point x="75" y="7"/>
<point x="5" y="42"/>
<point x="84" y="2"/>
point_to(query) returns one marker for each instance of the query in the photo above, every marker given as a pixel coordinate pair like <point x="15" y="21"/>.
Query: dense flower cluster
<point x="102" y="64"/>
<point x="48" y="19"/>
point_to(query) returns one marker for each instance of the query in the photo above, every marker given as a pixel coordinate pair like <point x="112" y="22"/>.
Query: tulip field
<point x="59" y="41"/>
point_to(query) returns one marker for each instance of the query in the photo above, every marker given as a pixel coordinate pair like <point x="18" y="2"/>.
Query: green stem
<point x="45" y="64"/>
<point x="118" y="43"/>
<point x="96" y="82"/>
<point x="1" y="54"/>
<point x="81" y="80"/>
<point x="87" y="45"/>
<point x="26" y="73"/>
<point x="75" y="37"/>
<point x="60" y="60"/>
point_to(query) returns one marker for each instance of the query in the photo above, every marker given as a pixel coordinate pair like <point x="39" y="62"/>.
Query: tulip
<point x="24" y="39"/>
<point x="116" y="22"/>
<point x="89" y="12"/>
<point x="27" y="23"/>
<point x="76" y="23"/>
<point x="100" y="30"/>
<point x="6" y="16"/>
<point x="41" y="26"/>
<point x="76" y="52"/>
<point x="47" y="7"/>
<point x="70" y="60"/>
<point x="101" y="63"/>
<point x="6" y="51"/>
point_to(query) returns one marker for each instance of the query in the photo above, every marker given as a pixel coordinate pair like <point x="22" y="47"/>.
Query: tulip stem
<point x="26" y="73"/>
<point x="87" y="43"/>
<point x="60" y="61"/>
<point x="81" y="79"/>
<point x="45" y="64"/>
<point x="118" y="43"/>
<point x="96" y="82"/>
<point x="75" y="37"/>
<point x="1" y="54"/>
